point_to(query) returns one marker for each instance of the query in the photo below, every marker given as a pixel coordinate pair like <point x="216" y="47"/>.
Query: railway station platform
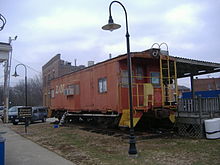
<point x="21" y="151"/>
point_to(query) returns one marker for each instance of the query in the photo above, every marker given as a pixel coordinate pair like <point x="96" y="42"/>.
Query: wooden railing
<point x="191" y="114"/>
<point x="199" y="105"/>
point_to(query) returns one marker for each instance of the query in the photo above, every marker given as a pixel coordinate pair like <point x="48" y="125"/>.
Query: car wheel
<point x="44" y="119"/>
<point x="15" y="123"/>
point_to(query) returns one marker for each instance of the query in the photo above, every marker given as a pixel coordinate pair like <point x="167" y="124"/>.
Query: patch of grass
<point x="84" y="148"/>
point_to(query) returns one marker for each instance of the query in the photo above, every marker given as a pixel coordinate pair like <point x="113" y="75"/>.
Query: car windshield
<point x="13" y="109"/>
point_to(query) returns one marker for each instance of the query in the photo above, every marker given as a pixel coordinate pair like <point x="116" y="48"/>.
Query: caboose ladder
<point x="168" y="77"/>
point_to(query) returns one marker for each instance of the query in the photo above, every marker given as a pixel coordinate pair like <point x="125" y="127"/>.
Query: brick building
<point x="54" y="68"/>
<point x="207" y="84"/>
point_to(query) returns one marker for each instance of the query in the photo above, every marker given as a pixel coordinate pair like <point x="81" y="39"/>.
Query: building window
<point x="218" y="86"/>
<point x="57" y="89"/>
<point x="155" y="77"/>
<point x="102" y="83"/>
<point x="45" y="81"/>
<point x="52" y="93"/>
<point x="49" y="78"/>
<point x="139" y="73"/>
<point x="209" y="87"/>
<point x="53" y="75"/>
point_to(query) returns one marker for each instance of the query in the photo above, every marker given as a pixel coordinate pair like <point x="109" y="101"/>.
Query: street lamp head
<point x="15" y="74"/>
<point x="111" y="25"/>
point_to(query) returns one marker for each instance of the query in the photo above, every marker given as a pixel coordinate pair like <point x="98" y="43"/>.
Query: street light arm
<point x="25" y="68"/>
<point x="126" y="17"/>
<point x="25" y="79"/>
<point x="3" y="19"/>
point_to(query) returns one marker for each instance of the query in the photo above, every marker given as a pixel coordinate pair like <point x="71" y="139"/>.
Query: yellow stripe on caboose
<point x="125" y="118"/>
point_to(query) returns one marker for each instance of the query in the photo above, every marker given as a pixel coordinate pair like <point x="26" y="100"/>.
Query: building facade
<point x="207" y="84"/>
<point x="54" y="68"/>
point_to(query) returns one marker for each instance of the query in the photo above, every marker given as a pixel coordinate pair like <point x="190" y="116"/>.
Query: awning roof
<point x="188" y="67"/>
<point x="185" y="67"/>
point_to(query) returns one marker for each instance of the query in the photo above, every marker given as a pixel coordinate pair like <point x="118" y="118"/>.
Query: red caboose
<point x="100" y="91"/>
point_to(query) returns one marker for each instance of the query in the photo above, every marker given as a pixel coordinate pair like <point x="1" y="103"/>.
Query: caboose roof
<point x="185" y="67"/>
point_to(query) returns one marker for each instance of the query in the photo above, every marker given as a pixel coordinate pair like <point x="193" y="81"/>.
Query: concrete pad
<point x="21" y="151"/>
<point x="50" y="120"/>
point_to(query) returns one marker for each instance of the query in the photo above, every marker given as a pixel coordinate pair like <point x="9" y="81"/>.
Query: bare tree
<point x="17" y="94"/>
<point x="34" y="92"/>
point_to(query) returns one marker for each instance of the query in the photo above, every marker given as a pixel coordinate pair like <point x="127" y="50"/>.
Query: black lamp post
<point x="15" y="75"/>
<point x="112" y="26"/>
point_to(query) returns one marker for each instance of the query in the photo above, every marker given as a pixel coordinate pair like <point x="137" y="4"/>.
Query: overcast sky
<point x="191" y="28"/>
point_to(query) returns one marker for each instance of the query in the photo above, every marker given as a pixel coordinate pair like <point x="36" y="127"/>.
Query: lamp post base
<point x="132" y="148"/>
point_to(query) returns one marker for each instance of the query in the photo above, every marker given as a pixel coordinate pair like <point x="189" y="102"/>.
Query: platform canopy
<point x="189" y="67"/>
<point x="5" y="48"/>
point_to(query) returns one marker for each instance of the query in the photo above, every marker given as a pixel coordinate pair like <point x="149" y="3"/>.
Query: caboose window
<point x="71" y="90"/>
<point x="124" y="78"/>
<point x="155" y="77"/>
<point x="76" y="89"/>
<point x="102" y="82"/>
<point x="139" y="73"/>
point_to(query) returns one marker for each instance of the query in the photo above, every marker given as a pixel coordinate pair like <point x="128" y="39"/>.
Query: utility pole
<point x="7" y="49"/>
<point x="6" y="95"/>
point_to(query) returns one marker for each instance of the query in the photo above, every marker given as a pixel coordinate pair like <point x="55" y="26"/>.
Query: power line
<point x="27" y="65"/>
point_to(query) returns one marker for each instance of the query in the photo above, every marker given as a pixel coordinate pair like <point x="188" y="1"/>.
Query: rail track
<point x="123" y="133"/>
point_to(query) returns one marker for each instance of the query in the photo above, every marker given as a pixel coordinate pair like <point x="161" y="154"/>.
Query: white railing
<point x="202" y="105"/>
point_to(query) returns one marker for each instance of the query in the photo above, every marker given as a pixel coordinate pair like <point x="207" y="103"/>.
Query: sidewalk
<point x="21" y="151"/>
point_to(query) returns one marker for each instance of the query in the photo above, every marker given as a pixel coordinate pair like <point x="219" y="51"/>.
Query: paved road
<point x="21" y="151"/>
